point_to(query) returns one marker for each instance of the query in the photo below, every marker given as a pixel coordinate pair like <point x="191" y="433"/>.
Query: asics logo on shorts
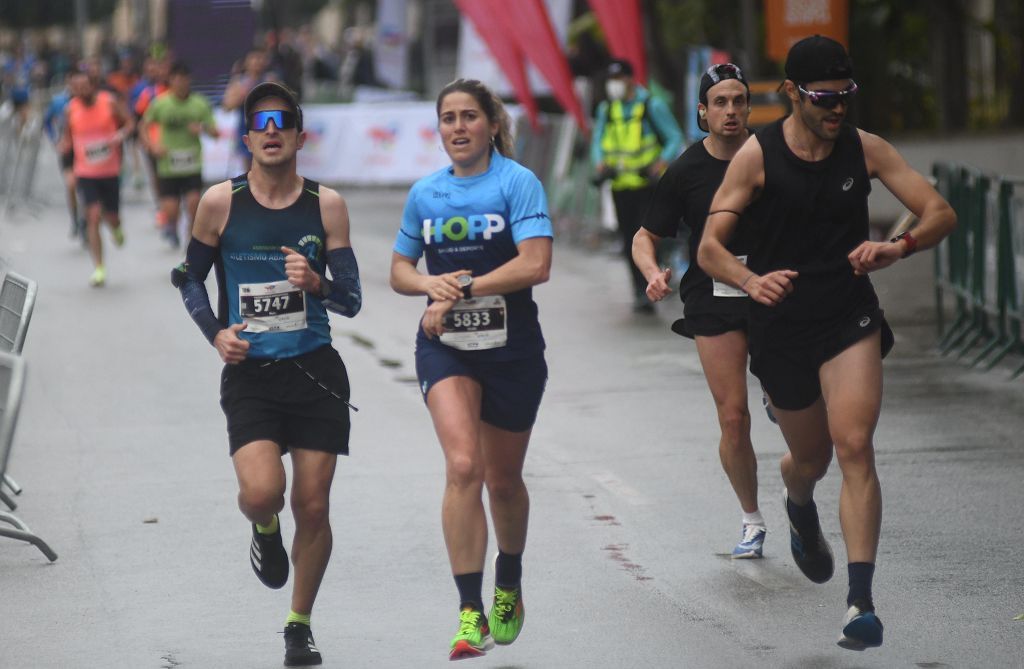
<point x="459" y="228"/>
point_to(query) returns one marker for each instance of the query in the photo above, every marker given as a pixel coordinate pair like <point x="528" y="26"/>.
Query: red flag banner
<point x="504" y="49"/>
<point x="530" y="27"/>
<point x="620" y="21"/>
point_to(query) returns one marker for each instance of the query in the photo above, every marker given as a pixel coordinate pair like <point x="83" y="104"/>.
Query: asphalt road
<point x="122" y="451"/>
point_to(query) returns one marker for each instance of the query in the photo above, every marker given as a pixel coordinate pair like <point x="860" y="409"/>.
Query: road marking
<point x="614" y="485"/>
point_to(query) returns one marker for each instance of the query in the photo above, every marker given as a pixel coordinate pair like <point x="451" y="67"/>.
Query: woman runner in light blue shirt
<point x="483" y="226"/>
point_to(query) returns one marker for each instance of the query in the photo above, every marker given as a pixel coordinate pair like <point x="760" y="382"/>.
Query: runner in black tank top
<point x="716" y="314"/>
<point x="817" y="335"/>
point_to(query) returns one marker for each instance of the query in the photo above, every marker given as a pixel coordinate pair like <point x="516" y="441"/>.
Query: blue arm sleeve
<point x="668" y="130"/>
<point x="189" y="277"/>
<point x="345" y="293"/>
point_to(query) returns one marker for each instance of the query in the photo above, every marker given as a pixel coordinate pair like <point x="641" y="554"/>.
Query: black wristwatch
<point x="466" y="283"/>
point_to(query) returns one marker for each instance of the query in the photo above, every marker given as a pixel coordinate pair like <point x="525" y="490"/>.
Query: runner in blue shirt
<point x="483" y="226"/>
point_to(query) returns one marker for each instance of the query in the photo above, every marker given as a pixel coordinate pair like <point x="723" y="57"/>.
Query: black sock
<point x="508" y="570"/>
<point x="861" y="574"/>
<point x="470" y="590"/>
<point x="804" y="517"/>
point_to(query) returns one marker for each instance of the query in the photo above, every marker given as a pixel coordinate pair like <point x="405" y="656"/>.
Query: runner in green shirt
<point x="181" y="116"/>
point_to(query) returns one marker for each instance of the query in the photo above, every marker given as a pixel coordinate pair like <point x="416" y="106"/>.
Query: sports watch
<point x="466" y="283"/>
<point x="911" y="242"/>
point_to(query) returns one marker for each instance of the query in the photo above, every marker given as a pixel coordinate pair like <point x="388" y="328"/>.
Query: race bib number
<point x="97" y="153"/>
<point x="183" y="160"/>
<point x="476" y="324"/>
<point x="724" y="289"/>
<point x="272" y="307"/>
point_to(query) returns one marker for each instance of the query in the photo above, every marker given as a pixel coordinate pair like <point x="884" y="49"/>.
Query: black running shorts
<point x="178" y="186"/>
<point x="709" y="325"/>
<point x="787" y="355"/>
<point x="106" y="191"/>
<point x="296" y="402"/>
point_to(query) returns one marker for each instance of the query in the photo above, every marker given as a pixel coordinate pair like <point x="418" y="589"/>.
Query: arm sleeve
<point x="345" y="293"/>
<point x="409" y="242"/>
<point x="528" y="208"/>
<point x="189" y="278"/>
<point x="667" y="128"/>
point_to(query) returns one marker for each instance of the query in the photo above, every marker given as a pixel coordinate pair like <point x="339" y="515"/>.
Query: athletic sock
<point x="297" y="618"/>
<point x="753" y="518"/>
<point x="470" y="590"/>
<point x="861" y="574"/>
<point x="508" y="570"/>
<point x="269" y="529"/>
<point x="803" y="516"/>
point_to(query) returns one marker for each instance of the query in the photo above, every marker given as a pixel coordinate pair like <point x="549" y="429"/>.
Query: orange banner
<point x="789" y="21"/>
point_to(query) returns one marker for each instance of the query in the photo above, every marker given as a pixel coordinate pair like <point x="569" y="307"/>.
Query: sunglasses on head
<point x="283" y="120"/>
<point x="724" y="71"/>
<point x="829" y="99"/>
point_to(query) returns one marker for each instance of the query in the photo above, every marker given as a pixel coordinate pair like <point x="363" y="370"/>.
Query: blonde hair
<point x="492" y="106"/>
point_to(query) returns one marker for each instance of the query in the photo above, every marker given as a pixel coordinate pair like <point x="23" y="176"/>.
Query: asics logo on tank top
<point x="848" y="184"/>
<point x="462" y="228"/>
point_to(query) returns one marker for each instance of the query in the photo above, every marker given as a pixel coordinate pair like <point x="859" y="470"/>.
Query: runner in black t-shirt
<point x="715" y="313"/>
<point x="817" y="336"/>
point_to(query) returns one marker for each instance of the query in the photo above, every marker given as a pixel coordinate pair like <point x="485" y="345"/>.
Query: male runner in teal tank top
<point x="272" y="235"/>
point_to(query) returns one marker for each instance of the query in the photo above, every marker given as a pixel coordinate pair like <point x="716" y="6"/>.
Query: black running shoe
<point x="268" y="558"/>
<point x="810" y="550"/>
<point x="299" y="648"/>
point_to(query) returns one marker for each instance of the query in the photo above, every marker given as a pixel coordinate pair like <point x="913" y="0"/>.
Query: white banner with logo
<point x="389" y="144"/>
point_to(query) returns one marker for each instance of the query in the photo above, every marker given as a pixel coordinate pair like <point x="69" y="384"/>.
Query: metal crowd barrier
<point x="979" y="268"/>
<point x="19" y="152"/>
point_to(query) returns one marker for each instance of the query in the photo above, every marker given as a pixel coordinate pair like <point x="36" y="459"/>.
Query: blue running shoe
<point x="751" y="546"/>
<point x="861" y="628"/>
<point x="811" y="552"/>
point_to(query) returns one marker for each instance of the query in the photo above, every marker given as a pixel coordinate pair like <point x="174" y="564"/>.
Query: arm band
<point x="723" y="211"/>
<point x="344" y="292"/>
<point x="189" y="277"/>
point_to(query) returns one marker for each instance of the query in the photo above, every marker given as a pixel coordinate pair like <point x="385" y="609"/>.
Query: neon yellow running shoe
<point x="99" y="277"/>
<point x="474" y="637"/>
<point x="507" y="614"/>
<point x="118" y="234"/>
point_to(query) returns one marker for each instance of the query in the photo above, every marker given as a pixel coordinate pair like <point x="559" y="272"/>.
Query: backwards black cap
<point x="818" y="58"/>
<point x="272" y="89"/>
<point x="620" y="68"/>
<point x="714" y="75"/>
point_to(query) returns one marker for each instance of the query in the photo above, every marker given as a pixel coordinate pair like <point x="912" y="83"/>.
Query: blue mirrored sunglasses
<point x="283" y="120"/>
<point x="829" y="99"/>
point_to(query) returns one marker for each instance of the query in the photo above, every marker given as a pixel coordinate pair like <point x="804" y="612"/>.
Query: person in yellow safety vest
<point x="635" y="137"/>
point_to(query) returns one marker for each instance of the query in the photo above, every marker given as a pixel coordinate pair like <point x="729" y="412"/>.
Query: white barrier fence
<point x="390" y="144"/>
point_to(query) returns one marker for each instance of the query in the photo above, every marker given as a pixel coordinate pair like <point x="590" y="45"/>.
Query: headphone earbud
<point x="702" y="113"/>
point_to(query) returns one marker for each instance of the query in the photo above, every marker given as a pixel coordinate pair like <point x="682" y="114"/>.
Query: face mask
<point x="615" y="88"/>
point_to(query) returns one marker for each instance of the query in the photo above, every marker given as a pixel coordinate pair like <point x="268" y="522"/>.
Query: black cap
<point x="272" y="89"/>
<point x="818" y="58"/>
<point x="715" y="75"/>
<point x="620" y="68"/>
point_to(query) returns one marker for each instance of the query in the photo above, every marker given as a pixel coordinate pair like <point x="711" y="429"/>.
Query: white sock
<point x="754" y="518"/>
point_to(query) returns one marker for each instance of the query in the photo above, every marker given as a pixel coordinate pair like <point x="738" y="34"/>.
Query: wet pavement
<point x="122" y="452"/>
